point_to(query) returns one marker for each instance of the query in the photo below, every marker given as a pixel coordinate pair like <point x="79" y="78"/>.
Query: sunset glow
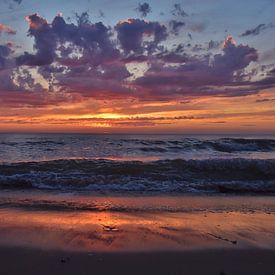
<point x="170" y="72"/>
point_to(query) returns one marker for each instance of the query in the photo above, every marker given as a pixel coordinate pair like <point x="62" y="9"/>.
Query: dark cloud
<point x="18" y="1"/>
<point x="45" y="43"/>
<point x="144" y="9"/>
<point x="257" y="30"/>
<point x="79" y="57"/>
<point x="6" y="70"/>
<point x="131" y="34"/>
<point x="176" y="26"/>
<point x="99" y="82"/>
<point x="213" y="45"/>
<point x="272" y="71"/>
<point x="14" y="79"/>
<point x="82" y="18"/>
<point x="93" y="40"/>
<point x="172" y="57"/>
<point x="5" y="52"/>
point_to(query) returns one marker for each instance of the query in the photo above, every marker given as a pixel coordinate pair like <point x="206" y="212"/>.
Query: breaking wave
<point x="164" y="176"/>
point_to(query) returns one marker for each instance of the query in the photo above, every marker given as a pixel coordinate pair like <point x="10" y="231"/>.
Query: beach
<point x="45" y="233"/>
<point x="136" y="205"/>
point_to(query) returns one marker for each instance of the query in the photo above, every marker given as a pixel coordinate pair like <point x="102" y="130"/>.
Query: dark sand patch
<point x="18" y="261"/>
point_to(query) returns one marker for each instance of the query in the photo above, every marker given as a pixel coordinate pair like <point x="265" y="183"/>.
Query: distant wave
<point x="164" y="176"/>
<point x="228" y="145"/>
<point x="32" y="143"/>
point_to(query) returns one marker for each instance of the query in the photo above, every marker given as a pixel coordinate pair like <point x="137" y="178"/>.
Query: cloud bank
<point x="133" y="59"/>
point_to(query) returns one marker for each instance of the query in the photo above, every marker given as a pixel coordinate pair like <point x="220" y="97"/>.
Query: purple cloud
<point x="131" y="34"/>
<point x="202" y="76"/>
<point x="93" y="40"/>
<point x="86" y="59"/>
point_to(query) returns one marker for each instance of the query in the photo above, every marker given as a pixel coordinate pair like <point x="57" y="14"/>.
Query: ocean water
<point x="138" y="163"/>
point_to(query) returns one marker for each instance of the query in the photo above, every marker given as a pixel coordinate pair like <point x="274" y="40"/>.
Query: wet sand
<point x="145" y="235"/>
<point x="118" y="232"/>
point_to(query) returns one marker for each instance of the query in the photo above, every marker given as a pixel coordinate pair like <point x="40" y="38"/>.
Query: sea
<point x="138" y="164"/>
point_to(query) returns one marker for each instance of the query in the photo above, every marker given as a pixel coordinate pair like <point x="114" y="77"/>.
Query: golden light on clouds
<point x="205" y="114"/>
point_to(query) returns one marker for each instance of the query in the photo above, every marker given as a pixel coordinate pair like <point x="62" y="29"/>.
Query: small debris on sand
<point x="222" y="239"/>
<point x="109" y="228"/>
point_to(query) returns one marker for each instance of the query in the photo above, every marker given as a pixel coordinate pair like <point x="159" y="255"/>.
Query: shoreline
<point x="117" y="224"/>
<point x="47" y="233"/>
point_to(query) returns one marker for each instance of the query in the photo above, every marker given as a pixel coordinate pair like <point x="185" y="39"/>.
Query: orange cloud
<point x="6" y="29"/>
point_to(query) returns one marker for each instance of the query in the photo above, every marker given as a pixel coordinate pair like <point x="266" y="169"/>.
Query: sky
<point x="190" y="66"/>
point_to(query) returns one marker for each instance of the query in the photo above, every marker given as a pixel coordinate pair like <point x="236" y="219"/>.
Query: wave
<point x="241" y="144"/>
<point x="32" y="143"/>
<point x="226" y="145"/>
<point x="164" y="176"/>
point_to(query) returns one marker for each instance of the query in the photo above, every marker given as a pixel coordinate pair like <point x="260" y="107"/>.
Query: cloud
<point x="5" y="52"/>
<point x="257" y="30"/>
<point x="45" y="43"/>
<point x="144" y="9"/>
<point x="176" y="26"/>
<point x="178" y="11"/>
<point x="213" y="45"/>
<point x="131" y="34"/>
<point x="6" y="29"/>
<point x="265" y="100"/>
<point x="235" y="57"/>
<point x="18" y="1"/>
<point x="132" y="60"/>
<point x="215" y="75"/>
<point x="82" y="18"/>
<point x="93" y="41"/>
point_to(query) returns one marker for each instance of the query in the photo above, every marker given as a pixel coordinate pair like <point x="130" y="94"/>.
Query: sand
<point x="15" y="261"/>
<point x="142" y="235"/>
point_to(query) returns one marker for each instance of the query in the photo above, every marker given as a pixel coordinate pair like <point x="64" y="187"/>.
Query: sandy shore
<point x="17" y="261"/>
<point x="68" y="234"/>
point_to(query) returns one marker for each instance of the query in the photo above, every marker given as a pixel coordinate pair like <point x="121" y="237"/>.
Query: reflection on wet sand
<point x="137" y="231"/>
